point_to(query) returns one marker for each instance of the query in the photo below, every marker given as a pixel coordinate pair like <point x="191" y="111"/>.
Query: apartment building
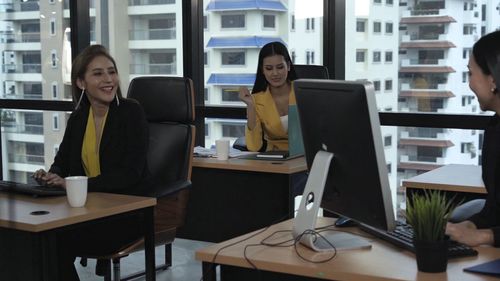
<point x="372" y="55"/>
<point x="31" y="70"/>
<point x="436" y="41"/>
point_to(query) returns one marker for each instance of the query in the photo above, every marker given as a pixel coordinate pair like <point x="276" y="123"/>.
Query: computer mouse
<point x="344" y="222"/>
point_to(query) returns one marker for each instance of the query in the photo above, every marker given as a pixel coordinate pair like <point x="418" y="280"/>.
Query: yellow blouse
<point x="90" y="147"/>
<point x="268" y="123"/>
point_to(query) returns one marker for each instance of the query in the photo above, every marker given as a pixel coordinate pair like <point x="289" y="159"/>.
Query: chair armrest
<point x="164" y="191"/>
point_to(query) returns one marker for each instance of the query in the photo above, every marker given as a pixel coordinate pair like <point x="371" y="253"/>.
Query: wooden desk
<point x="233" y="197"/>
<point x="28" y="244"/>
<point x="465" y="181"/>
<point x="382" y="262"/>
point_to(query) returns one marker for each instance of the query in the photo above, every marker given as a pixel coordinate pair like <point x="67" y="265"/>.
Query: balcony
<point x="422" y="142"/>
<point x="429" y="133"/>
<point x="26" y="159"/>
<point x="428" y="84"/>
<point x="426" y="16"/>
<point x="31" y="96"/>
<point x="23" y="68"/>
<point x="153" y="34"/>
<point x="149" y="2"/>
<point x="421" y="159"/>
<point x="406" y="68"/>
<point x="19" y="7"/>
<point x="157" y="68"/>
<point x="424" y="167"/>
<point x="26" y="37"/>
<point x="14" y="127"/>
<point x="424" y="12"/>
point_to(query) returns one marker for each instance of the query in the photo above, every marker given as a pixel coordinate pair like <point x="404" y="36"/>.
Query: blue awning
<point x="241" y="42"/>
<point x="227" y="5"/>
<point x="231" y="79"/>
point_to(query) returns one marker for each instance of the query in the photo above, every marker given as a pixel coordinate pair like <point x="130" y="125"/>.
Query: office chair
<point x="168" y="103"/>
<point x="309" y="71"/>
<point x="306" y="71"/>
<point x="466" y="210"/>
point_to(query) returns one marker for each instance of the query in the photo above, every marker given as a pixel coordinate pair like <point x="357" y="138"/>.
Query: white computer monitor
<point x="341" y="130"/>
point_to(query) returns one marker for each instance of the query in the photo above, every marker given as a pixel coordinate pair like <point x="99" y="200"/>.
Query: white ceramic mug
<point x="222" y="149"/>
<point x="76" y="190"/>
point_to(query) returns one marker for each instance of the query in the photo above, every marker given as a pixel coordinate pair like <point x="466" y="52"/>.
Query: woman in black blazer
<point x="123" y="144"/>
<point x="484" y="81"/>
<point x="106" y="140"/>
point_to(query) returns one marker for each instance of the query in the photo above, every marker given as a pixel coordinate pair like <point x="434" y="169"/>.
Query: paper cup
<point x="222" y="149"/>
<point x="76" y="190"/>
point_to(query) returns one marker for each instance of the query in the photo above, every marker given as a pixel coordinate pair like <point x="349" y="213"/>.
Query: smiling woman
<point x="267" y="106"/>
<point x="484" y="81"/>
<point x="106" y="140"/>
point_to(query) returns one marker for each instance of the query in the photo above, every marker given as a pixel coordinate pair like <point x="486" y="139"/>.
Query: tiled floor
<point x="185" y="267"/>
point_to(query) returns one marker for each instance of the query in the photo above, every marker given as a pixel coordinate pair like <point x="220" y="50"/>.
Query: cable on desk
<point x="264" y="242"/>
<point x="244" y="239"/>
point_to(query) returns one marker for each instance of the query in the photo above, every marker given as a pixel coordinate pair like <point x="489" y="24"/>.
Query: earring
<point x="117" y="100"/>
<point x="80" y="99"/>
<point x="494" y="89"/>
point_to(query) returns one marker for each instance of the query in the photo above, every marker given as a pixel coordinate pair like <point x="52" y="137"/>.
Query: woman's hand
<point x="49" y="179"/>
<point x="39" y="174"/>
<point x="245" y="96"/>
<point x="467" y="233"/>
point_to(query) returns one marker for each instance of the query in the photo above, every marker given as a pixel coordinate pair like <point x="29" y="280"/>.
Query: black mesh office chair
<point x="305" y="71"/>
<point x="169" y="107"/>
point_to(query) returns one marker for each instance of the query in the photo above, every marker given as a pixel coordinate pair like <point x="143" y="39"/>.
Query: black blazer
<point x="489" y="217"/>
<point x="122" y="152"/>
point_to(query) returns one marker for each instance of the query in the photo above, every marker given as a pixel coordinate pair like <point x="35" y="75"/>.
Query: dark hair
<point x="486" y="52"/>
<point x="80" y="64"/>
<point x="271" y="49"/>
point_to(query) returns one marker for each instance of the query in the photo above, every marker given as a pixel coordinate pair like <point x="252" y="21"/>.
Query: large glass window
<point x="35" y="54"/>
<point x="233" y="58"/>
<point x="428" y="74"/>
<point x="232" y="21"/>
<point x="233" y="40"/>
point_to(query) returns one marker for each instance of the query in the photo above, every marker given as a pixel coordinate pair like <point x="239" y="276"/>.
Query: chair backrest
<point x="308" y="71"/>
<point x="168" y="103"/>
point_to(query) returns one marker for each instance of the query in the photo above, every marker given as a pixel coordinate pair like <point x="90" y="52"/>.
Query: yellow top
<point x="90" y="147"/>
<point x="268" y="123"/>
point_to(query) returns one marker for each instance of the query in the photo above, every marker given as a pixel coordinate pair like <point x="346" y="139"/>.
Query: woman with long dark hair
<point x="267" y="105"/>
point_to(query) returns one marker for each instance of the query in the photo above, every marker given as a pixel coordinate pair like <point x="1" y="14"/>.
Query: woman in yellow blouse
<point x="267" y="105"/>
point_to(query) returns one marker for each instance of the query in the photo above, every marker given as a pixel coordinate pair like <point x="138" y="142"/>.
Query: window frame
<point x="233" y="14"/>
<point x="334" y="37"/>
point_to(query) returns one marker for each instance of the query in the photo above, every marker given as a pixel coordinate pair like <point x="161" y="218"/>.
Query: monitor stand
<point x="307" y="214"/>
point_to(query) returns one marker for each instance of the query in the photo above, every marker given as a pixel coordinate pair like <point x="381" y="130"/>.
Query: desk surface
<point x="382" y="262"/>
<point x="267" y="166"/>
<point x="15" y="210"/>
<point x="453" y="177"/>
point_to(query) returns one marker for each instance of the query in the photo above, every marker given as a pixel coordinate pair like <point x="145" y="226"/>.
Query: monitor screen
<point x="341" y="117"/>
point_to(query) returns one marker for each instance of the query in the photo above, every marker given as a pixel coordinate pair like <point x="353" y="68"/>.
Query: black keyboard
<point x="31" y="189"/>
<point x="402" y="236"/>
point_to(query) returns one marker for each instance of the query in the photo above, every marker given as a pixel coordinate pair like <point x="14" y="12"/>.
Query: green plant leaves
<point x="428" y="214"/>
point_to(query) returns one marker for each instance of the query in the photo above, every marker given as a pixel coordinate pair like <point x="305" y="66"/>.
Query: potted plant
<point x="428" y="214"/>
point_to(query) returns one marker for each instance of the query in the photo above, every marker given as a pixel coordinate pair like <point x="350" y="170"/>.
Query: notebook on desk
<point x="295" y="143"/>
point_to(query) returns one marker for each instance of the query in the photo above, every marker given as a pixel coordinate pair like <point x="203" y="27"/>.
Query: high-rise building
<point x="436" y="42"/>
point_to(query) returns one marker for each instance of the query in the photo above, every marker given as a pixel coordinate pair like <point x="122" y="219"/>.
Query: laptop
<point x="295" y="143"/>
